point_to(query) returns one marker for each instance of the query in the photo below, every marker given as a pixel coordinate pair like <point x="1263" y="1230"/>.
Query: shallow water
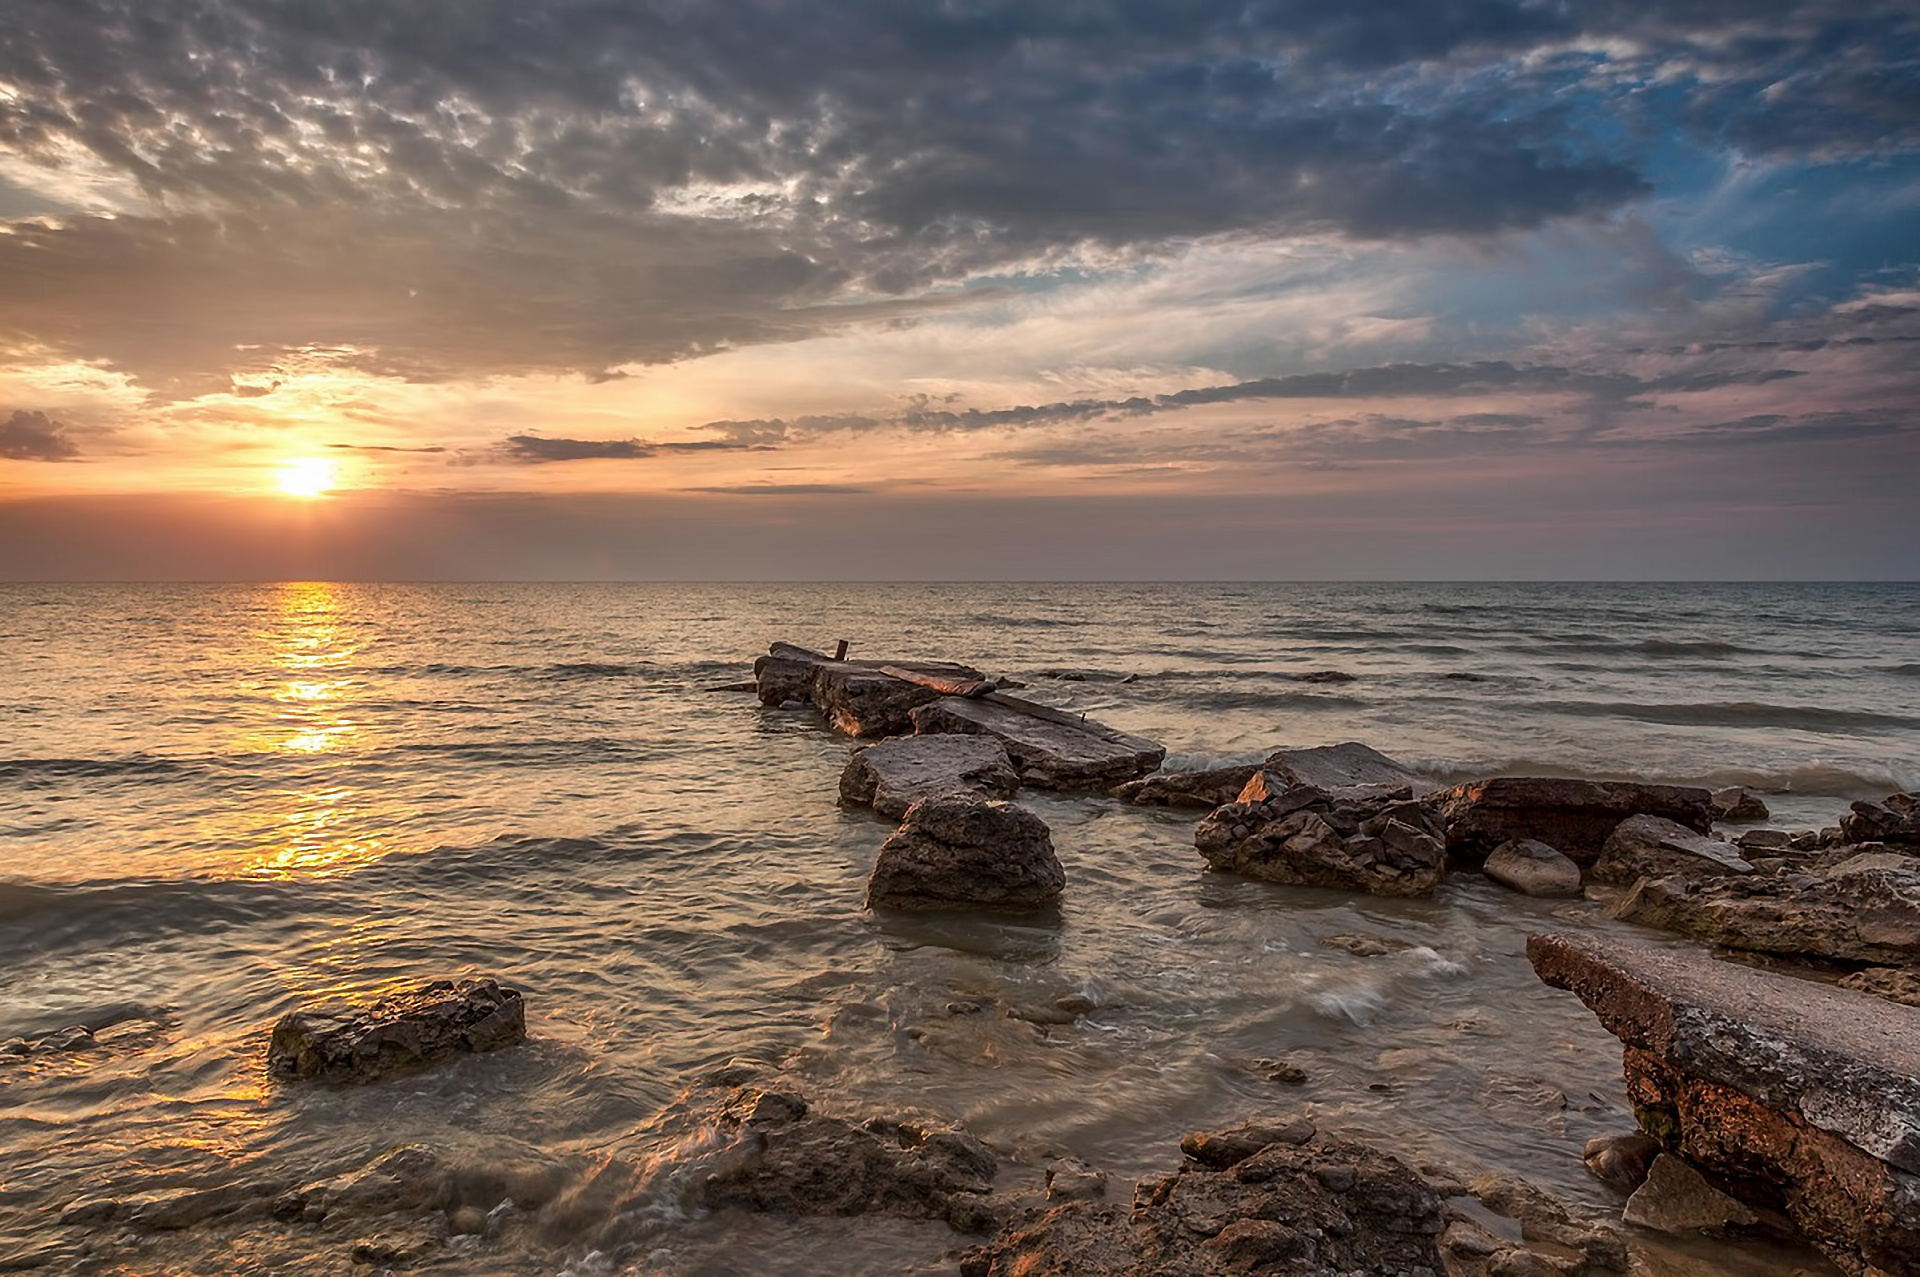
<point x="221" y="802"/>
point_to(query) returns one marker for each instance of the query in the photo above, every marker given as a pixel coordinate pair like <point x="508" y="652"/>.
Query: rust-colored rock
<point x="1572" y="816"/>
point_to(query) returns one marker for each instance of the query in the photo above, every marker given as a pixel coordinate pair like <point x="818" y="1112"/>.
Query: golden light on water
<point x="308" y="477"/>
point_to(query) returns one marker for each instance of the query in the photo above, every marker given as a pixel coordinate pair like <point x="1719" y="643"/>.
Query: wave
<point x="91" y="768"/>
<point x="1677" y="647"/>
<point x="594" y="669"/>
<point x="37" y="916"/>
<point x="1733" y="714"/>
<point x="1817" y="780"/>
<point x="1307" y="701"/>
<point x="1911" y="669"/>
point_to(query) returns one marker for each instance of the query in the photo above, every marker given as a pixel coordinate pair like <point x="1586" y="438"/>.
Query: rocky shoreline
<point x="1773" y="1103"/>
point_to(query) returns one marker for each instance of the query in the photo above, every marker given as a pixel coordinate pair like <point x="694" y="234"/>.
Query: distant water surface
<point x="220" y="802"/>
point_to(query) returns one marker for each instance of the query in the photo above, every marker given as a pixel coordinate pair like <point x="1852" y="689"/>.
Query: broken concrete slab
<point x="1794" y="1096"/>
<point x="1050" y="748"/>
<point x="894" y="774"/>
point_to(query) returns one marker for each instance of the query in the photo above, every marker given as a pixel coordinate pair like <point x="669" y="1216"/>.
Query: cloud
<point x="784" y="489"/>
<point x="535" y="450"/>
<point x="34" y="436"/>
<point x="381" y="447"/>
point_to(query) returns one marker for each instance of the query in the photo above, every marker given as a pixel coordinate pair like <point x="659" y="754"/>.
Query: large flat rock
<point x="893" y="775"/>
<point x="1797" y="1096"/>
<point x="860" y="698"/>
<point x="1050" y="748"/>
<point x="1343" y="766"/>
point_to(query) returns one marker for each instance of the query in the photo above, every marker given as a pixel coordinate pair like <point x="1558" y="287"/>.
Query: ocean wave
<point x="38" y="916"/>
<point x="1681" y="647"/>
<point x="594" y="669"/>
<point x="90" y="768"/>
<point x="1816" y="780"/>
<point x="1251" y="699"/>
<point x="1910" y="669"/>
<point x="1734" y="714"/>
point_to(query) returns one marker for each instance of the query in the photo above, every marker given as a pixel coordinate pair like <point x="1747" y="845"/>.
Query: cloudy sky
<point x="980" y="289"/>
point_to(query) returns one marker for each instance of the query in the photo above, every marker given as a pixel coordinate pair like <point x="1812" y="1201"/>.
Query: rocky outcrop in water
<point x="1344" y="766"/>
<point x="893" y="775"/>
<point x="856" y="697"/>
<point x="1349" y="839"/>
<point x="1789" y="1095"/>
<point x="1272" y="1197"/>
<point x="1739" y="806"/>
<point x="1573" y="817"/>
<point x="957" y="852"/>
<point x="1050" y="748"/>
<point x="1199" y="789"/>
<point x="1654" y="847"/>
<point x="1858" y="907"/>
<point x="1894" y="819"/>
<point x="399" y="1033"/>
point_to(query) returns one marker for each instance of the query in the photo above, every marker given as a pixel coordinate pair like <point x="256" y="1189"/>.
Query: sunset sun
<point x="307" y="477"/>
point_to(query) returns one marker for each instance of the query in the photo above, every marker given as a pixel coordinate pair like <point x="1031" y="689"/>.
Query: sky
<point x="959" y="289"/>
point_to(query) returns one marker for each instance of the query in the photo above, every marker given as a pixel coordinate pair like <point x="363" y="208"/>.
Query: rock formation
<point x="1572" y="816"/>
<point x="1532" y="868"/>
<point x="1654" y="847"/>
<point x="1307" y="836"/>
<point x="1340" y="767"/>
<point x="1201" y="789"/>
<point x="856" y="697"/>
<point x="398" y="1033"/>
<point x="1792" y="1096"/>
<point x="1894" y="819"/>
<point x="1050" y="748"/>
<point x="957" y="852"/>
<point x="894" y="774"/>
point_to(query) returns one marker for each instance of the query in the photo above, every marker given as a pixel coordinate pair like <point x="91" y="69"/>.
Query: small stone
<point x="1621" y="1160"/>
<point x="1532" y="868"/>
<point x="1738" y="806"/>
<point x="1072" y="1180"/>
<point x="1676" y="1198"/>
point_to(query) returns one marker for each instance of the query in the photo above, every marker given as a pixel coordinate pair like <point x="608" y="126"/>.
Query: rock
<point x="1866" y="909"/>
<point x="1896" y="984"/>
<point x="855" y="696"/>
<point x="1676" y="1198"/>
<point x="1072" y="1180"/>
<point x="1209" y="789"/>
<point x="894" y="774"/>
<point x="1309" y="1208"/>
<point x="1306" y="836"/>
<point x="1792" y="1095"/>
<point x="1895" y="819"/>
<point x="957" y="852"/>
<point x="1334" y="767"/>
<point x="785" y="1158"/>
<point x="1738" y="806"/>
<point x="1517" y="1199"/>
<point x="1621" y="1160"/>
<point x="1572" y="816"/>
<point x="1532" y="868"/>
<point x="1654" y="847"/>
<point x="1049" y="748"/>
<point x="1222" y="1150"/>
<point x="1764" y="840"/>
<point x="398" y="1033"/>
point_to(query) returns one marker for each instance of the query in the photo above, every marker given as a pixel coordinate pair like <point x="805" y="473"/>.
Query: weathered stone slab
<point x="856" y="697"/>
<point x="893" y="775"/>
<point x="1653" y="847"/>
<point x="1199" y="789"/>
<point x="399" y="1033"/>
<point x="1572" y="816"/>
<point x="1050" y="749"/>
<point x="1532" y="868"/>
<point x="954" y="853"/>
<point x="1796" y="1096"/>
<point x="1864" y="909"/>
<point x="1341" y="766"/>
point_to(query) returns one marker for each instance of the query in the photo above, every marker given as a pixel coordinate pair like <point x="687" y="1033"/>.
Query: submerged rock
<point x="956" y="852"/>
<point x="1572" y="816"/>
<point x="1269" y="1197"/>
<point x="1864" y="909"/>
<point x="894" y="774"/>
<point x="1653" y="847"/>
<point x="1792" y="1095"/>
<point x="1532" y="868"/>
<point x="399" y="1033"/>
<point x="1050" y="748"/>
<point x="1200" y="789"/>
<point x="1307" y="836"/>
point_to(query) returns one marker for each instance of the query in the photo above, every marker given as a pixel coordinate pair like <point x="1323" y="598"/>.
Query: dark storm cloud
<point x="503" y="179"/>
<point x="34" y="436"/>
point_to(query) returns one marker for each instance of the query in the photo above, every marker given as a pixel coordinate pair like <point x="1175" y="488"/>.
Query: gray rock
<point x="1072" y="1180"/>
<point x="1200" y="789"/>
<point x="1739" y="806"/>
<point x="893" y="775"/>
<point x="1532" y="868"/>
<point x="1789" y="1092"/>
<point x="1764" y="840"/>
<point x="952" y="853"/>
<point x="1676" y="1198"/>
<point x="1381" y="845"/>
<point x="1050" y="749"/>
<point x="1653" y="847"/>
<point x="399" y="1033"/>
<point x="1333" y="767"/>
<point x="1572" y="816"/>
<point x="1894" y="819"/>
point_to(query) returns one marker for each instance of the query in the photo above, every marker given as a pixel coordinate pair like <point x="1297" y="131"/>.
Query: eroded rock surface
<point x="894" y="774"/>
<point x="1572" y="816"/>
<point x="1532" y="868"/>
<point x="1207" y="789"/>
<point x="1050" y="748"/>
<point x="1894" y="819"/>
<point x="1793" y="1096"/>
<point x="1309" y="837"/>
<point x="398" y="1033"/>
<point x="1343" y="766"/>
<point x="956" y="852"/>
<point x="1270" y="1197"/>
<point x="855" y="696"/>
<point x="1654" y="847"/>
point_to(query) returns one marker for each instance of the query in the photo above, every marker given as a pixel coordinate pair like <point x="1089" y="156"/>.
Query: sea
<point x="221" y="803"/>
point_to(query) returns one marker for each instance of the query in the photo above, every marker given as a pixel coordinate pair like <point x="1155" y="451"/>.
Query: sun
<point x="307" y="477"/>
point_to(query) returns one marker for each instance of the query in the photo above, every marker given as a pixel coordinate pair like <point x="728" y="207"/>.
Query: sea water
<point x="219" y="803"/>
